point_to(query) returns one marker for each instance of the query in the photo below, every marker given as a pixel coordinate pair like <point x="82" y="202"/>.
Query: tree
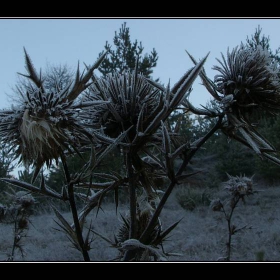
<point x="125" y="55"/>
<point x="57" y="77"/>
<point x="257" y="39"/>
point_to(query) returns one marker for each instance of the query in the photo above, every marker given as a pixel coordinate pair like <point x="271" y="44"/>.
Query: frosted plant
<point x="45" y="124"/>
<point x="238" y="187"/>
<point x="251" y="78"/>
<point x="248" y="84"/>
<point x="135" y="101"/>
<point x="44" y="127"/>
<point x="17" y="213"/>
<point x="129" y="112"/>
<point x="141" y="107"/>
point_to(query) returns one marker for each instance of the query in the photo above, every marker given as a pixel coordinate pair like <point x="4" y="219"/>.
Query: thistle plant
<point x="247" y="85"/>
<point x="46" y="124"/>
<point x="239" y="188"/>
<point x="44" y="127"/>
<point x="141" y="107"/>
<point x="17" y="213"/>
<point x="130" y="113"/>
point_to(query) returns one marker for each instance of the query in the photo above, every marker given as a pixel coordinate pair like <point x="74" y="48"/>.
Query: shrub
<point x="189" y="198"/>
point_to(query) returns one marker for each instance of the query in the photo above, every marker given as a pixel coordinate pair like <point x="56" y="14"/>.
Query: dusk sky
<point x="67" y="41"/>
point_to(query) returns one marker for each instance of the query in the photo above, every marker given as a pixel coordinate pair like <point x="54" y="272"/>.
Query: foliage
<point x="17" y="213"/>
<point x="257" y="39"/>
<point x="239" y="188"/>
<point x="190" y="198"/>
<point x="124" y="57"/>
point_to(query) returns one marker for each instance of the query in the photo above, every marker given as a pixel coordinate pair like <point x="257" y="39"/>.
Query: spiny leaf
<point x="165" y="139"/>
<point x="32" y="188"/>
<point x="103" y="237"/>
<point x="156" y="85"/>
<point x="186" y="103"/>
<point x="272" y="158"/>
<point x="125" y="221"/>
<point x="99" y="202"/>
<point x="33" y="76"/>
<point x="81" y="82"/>
<point x="185" y="83"/>
<point x="250" y="141"/>
<point x="36" y="172"/>
<point x="167" y="152"/>
<point x="181" y="178"/>
<point x="179" y="150"/>
<point x="117" y="141"/>
<point x="66" y="225"/>
<point x="106" y="176"/>
<point x="209" y="85"/>
<point x="167" y="231"/>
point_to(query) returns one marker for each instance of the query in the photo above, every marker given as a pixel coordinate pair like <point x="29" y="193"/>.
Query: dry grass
<point x="200" y="236"/>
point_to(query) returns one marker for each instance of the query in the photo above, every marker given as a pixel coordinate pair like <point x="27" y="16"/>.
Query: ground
<point x="200" y="236"/>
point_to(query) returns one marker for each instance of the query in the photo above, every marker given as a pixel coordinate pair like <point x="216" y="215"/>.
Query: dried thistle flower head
<point x="248" y="85"/>
<point x="23" y="223"/>
<point x="137" y="102"/>
<point x="248" y="79"/>
<point x="46" y="123"/>
<point x="239" y="186"/>
<point x="24" y="199"/>
<point x="133" y="101"/>
<point x="216" y="205"/>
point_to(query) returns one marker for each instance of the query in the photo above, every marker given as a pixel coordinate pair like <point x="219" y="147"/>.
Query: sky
<point x="66" y="41"/>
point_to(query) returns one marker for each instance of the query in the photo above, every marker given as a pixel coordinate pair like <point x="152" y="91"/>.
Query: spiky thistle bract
<point x="248" y="85"/>
<point x="251" y="78"/>
<point x="45" y="124"/>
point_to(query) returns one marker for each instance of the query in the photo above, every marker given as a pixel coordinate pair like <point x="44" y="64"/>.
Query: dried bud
<point x="23" y="223"/>
<point x="239" y="186"/>
<point x="216" y="205"/>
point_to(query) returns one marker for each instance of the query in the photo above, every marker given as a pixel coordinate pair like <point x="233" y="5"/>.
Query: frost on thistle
<point x="45" y="124"/>
<point x="248" y="79"/>
<point x="247" y="84"/>
<point x="239" y="186"/>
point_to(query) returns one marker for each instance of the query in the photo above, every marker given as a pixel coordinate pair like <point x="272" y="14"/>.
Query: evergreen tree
<point x="125" y="54"/>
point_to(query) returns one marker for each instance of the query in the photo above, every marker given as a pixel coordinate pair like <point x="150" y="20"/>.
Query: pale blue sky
<point x="65" y="41"/>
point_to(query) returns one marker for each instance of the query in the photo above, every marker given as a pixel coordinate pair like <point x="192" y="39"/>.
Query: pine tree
<point x="125" y="54"/>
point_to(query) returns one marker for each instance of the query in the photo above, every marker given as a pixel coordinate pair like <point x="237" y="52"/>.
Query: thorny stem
<point x="229" y="225"/>
<point x="15" y="240"/>
<point x="74" y="211"/>
<point x="132" y="198"/>
<point x="172" y="184"/>
<point x="17" y="237"/>
<point x="133" y="204"/>
<point x="94" y="202"/>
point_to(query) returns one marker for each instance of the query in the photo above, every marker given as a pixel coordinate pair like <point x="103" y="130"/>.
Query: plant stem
<point x="132" y="205"/>
<point x="74" y="211"/>
<point x="132" y="199"/>
<point x="171" y="186"/>
<point x="229" y="224"/>
<point x="15" y="238"/>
